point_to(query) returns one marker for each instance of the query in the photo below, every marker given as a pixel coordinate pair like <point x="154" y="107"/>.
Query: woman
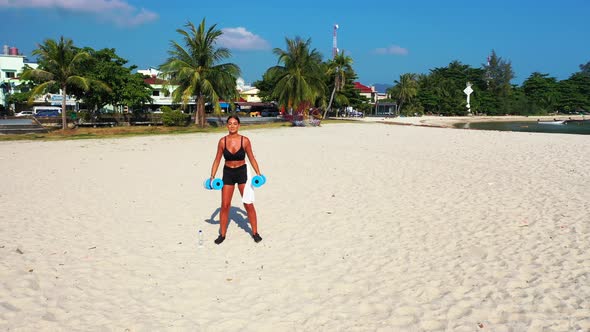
<point x="234" y="148"/>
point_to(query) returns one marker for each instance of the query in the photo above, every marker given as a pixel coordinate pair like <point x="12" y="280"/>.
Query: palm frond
<point x="36" y="75"/>
<point x="40" y="89"/>
<point x="78" y="81"/>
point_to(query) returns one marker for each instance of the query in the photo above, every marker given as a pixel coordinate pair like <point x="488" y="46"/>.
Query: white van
<point x="37" y="109"/>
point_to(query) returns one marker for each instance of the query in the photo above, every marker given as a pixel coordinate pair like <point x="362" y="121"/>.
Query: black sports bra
<point x="238" y="155"/>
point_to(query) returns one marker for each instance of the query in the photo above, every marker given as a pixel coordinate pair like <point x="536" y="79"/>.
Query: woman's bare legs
<point x="250" y="210"/>
<point x="226" y="194"/>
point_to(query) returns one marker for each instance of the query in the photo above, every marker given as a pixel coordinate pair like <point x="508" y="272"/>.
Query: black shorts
<point x="237" y="175"/>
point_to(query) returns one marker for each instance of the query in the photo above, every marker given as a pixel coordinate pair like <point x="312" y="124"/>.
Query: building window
<point x="156" y="93"/>
<point x="10" y="74"/>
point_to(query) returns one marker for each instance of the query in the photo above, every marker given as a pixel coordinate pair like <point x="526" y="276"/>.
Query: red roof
<point x="154" y="80"/>
<point x="362" y="88"/>
<point x="239" y="100"/>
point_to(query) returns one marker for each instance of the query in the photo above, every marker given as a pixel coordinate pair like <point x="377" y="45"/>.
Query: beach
<point x="451" y="121"/>
<point x="365" y="227"/>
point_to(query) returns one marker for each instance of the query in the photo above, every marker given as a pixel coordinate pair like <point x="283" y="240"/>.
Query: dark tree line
<point x="441" y="91"/>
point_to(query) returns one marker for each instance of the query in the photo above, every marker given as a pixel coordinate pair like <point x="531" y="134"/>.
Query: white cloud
<point x="143" y="16"/>
<point x="118" y="11"/>
<point x="393" y="49"/>
<point x="241" y="39"/>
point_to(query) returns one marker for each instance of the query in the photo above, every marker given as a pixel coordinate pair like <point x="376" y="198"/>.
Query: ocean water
<point x="579" y="128"/>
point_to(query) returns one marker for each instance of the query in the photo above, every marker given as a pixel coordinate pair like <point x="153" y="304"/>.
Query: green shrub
<point x="85" y="115"/>
<point x="71" y="115"/>
<point x="172" y="117"/>
<point x="412" y="110"/>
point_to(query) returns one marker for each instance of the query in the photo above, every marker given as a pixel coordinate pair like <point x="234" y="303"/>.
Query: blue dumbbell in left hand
<point x="258" y="180"/>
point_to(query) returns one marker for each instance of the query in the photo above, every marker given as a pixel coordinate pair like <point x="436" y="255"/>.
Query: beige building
<point x="247" y="92"/>
<point x="250" y="95"/>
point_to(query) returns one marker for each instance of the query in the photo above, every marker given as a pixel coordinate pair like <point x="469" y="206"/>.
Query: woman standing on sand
<point x="234" y="148"/>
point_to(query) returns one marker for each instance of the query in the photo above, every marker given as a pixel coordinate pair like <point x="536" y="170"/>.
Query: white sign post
<point x="468" y="90"/>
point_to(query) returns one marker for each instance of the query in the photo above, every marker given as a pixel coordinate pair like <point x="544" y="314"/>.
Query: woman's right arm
<point x="217" y="159"/>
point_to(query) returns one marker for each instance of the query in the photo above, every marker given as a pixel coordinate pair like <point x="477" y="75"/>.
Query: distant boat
<point x="552" y="122"/>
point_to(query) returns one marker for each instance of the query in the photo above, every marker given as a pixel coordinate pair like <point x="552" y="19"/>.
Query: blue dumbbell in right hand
<point x="214" y="184"/>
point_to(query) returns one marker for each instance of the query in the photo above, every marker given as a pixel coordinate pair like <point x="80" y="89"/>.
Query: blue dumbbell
<point x="258" y="180"/>
<point x="216" y="184"/>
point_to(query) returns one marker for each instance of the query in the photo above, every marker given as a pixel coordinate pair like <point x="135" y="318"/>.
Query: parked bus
<point x="37" y="109"/>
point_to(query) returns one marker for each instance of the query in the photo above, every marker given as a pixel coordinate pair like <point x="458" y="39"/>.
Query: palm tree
<point x="196" y="70"/>
<point x="299" y="79"/>
<point x="404" y="89"/>
<point x="59" y="65"/>
<point x="339" y="66"/>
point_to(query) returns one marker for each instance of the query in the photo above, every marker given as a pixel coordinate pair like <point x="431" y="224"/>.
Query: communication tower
<point x="335" y="41"/>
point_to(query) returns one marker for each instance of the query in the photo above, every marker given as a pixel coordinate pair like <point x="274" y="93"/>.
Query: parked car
<point x="355" y="114"/>
<point x="269" y="112"/>
<point x="47" y="113"/>
<point x="24" y="113"/>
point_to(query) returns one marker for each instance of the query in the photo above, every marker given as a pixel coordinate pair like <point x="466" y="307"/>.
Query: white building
<point x="12" y="64"/>
<point x="162" y="92"/>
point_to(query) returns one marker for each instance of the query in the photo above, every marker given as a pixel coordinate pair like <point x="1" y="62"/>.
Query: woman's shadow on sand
<point x="239" y="216"/>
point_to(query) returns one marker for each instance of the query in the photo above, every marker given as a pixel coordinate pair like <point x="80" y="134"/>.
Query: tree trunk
<point x="203" y="120"/>
<point x="330" y="103"/>
<point x="197" y="111"/>
<point x="64" y="116"/>
<point x="200" y="114"/>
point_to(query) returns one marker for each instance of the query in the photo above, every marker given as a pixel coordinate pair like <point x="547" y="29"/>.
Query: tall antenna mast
<point x="335" y="42"/>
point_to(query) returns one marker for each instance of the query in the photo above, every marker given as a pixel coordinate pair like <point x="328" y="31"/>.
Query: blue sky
<point x="384" y="38"/>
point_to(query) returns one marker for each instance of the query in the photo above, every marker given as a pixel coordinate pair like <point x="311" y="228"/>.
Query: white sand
<point x="449" y="121"/>
<point x="365" y="227"/>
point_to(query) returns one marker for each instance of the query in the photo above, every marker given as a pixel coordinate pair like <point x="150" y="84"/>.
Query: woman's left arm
<point x="250" y="154"/>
